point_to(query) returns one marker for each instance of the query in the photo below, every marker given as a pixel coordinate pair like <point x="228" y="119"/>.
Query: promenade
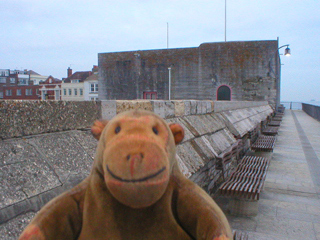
<point x="289" y="206"/>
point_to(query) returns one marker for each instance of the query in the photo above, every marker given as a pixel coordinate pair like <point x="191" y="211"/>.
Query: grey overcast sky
<point x="49" y="36"/>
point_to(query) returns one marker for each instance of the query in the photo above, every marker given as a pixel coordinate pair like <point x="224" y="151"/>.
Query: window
<point x="65" y="92"/>
<point x="70" y="92"/>
<point x="75" y="92"/>
<point x="81" y="91"/>
<point x="9" y="92"/>
<point x="1" y="94"/>
<point x="4" y="73"/>
<point x="75" y="81"/>
<point x="94" y="87"/>
<point x="12" y="80"/>
<point x="3" y="80"/>
<point x="23" y="81"/>
<point x="18" y="92"/>
<point x="37" y="91"/>
<point x="28" y="92"/>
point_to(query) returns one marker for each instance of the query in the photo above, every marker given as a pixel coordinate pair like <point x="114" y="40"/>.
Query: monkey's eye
<point x="155" y="130"/>
<point x="117" y="130"/>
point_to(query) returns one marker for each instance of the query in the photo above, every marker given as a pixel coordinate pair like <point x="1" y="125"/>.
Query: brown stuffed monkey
<point x="135" y="190"/>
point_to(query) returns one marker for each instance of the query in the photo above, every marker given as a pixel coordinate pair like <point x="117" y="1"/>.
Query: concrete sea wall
<point x="311" y="110"/>
<point x="38" y="162"/>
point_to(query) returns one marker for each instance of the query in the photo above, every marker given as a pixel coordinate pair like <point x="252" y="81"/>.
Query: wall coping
<point x="175" y="108"/>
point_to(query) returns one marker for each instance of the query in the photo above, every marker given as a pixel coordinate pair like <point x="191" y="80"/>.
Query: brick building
<point x="248" y="70"/>
<point x="51" y="89"/>
<point x="16" y="84"/>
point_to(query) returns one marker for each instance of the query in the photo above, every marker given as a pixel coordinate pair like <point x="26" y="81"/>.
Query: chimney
<point x="69" y="72"/>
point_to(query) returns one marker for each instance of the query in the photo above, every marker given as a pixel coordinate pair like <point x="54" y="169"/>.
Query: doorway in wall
<point x="224" y="93"/>
<point x="149" y="95"/>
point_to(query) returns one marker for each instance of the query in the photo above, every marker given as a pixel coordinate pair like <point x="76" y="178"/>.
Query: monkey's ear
<point x="177" y="131"/>
<point x="98" y="127"/>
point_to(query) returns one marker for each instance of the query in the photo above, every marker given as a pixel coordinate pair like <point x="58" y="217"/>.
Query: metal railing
<point x="292" y="105"/>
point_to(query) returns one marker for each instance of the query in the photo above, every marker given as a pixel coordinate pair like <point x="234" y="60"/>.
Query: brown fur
<point x="135" y="190"/>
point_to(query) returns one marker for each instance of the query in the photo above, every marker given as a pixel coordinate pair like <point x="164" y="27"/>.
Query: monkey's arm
<point x="61" y="218"/>
<point x="199" y="215"/>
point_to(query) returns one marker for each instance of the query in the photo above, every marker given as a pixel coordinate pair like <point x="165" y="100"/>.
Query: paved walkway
<point x="289" y="207"/>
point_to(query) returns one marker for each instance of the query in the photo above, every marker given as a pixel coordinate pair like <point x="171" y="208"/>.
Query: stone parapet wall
<point x="20" y="118"/>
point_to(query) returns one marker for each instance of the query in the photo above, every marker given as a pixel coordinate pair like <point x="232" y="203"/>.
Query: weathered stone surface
<point x="12" y="229"/>
<point x="222" y="106"/>
<point x="220" y="140"/>
<point x="190" y="157"/>
<point x="108" y="109"/>
<point x="179" y="108"/>
<point x="23" y="118"/>
<point x="123" y="105"/>
<point x="25" y="179"/>
<point x="165" y="109"/>
<point x="204" y="124"/>
<point x="206" y="148"/>
<point x="64" y="154"/>
<point x="184" y="169"/>
<point x="87" y="141"/>
<point x="15" y="150"/>
<point x="241" y="121"/>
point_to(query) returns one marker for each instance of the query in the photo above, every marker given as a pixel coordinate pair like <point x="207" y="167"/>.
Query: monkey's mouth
<point x="135" y="180"/>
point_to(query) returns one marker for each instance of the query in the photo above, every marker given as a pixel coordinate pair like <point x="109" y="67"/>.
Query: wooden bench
<point x="277" y="119"/>
<point x="270" y="130"/>
<point x="240" y="235"/>
<point x="281" y="109"/>
<point x="248" y="178"/>
<point x="264" y="143"/>
<point x="245" y="184"/>
<point x="274" y="123"/>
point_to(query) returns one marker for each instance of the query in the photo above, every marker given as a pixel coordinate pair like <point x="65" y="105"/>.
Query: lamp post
<point x="169" y="68"/>
<point x="225" y="20"/>
<point x="287" y="52"/>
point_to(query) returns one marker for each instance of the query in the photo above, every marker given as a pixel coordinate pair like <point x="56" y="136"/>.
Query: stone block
<point x="193" y="107"/>
<point x="205" y="147"/>
<point x="179" y="108"/>
<point x="209" y="106"/>
<point x="187" y="108"/>
<point x="190" y="157"/>
<point x="169" y="109"/>
<point x="108" y="109"/>
<point x="125" y="105"/>
<point x="183" y="168"/>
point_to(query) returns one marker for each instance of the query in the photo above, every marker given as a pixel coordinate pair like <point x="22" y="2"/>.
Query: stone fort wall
<point x="251" y="69"/>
